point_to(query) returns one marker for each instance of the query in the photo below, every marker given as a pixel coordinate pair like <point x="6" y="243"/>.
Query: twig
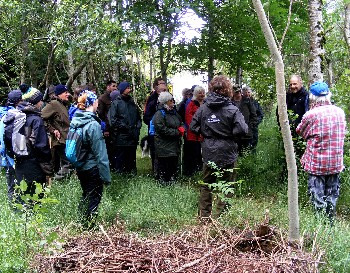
<point x="105" y="233"/>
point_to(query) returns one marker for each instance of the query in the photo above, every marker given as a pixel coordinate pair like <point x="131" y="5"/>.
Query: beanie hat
<point x="164" y="97"/>
<point x="60" y="89"/>
<point x="33" y="96"/>
<point x="90" y="99"/>
<point x="319" y="89"/>
<point x="14" y="97"/>
<point x="24" y="88"/>
<point x="114" y="94"/>
<point x="122" y="86"/>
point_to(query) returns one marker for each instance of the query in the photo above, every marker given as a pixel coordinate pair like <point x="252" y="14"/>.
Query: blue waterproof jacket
<point x="94" y="142"/>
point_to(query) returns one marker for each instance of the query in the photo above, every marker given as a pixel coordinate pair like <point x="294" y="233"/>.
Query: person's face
<point x="112" y="87"/>
<point x="295" y="84"/>
<point x="95" y="105"/>
<point x="200" y="96"/>
<point x="170" y="104"/>
<point x="64" y="96"/>
<point x="39" y="105"/>
<point x="161" y="88"/>
<point x="237" y="96"/>
<point x="248" y="93"/>
<point x="127" y="91"/>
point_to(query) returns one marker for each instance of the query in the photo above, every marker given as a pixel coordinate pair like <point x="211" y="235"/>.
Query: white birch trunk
<point x="317" y="39"/>
<point x="347" y="26"/>
<point x="293" y="210"/>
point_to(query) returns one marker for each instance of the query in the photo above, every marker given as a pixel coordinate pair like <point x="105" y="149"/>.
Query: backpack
<point x="75" y="150"/>
<point x="16" y="135"/>
<point x="152" y="129"/>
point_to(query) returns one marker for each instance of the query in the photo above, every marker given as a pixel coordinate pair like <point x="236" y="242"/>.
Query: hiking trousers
<point x="206" y="192"/>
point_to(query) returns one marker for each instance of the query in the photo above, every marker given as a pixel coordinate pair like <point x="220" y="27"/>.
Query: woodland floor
<point x="202" y="248"/>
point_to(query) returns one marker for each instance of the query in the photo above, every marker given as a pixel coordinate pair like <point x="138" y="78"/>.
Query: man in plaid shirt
<point x="323" y="127"/>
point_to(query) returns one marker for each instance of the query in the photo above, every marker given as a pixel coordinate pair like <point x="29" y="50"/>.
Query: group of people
<point x="323" y="126"/>
<point x="213" y="128"/>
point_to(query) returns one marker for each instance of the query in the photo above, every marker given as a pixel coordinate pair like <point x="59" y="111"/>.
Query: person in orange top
<point x="193" y="149"/>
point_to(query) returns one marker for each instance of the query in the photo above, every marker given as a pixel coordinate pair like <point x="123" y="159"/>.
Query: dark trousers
<point x="30" y="171"/>
<point x="167" y="169"/>
<point x="125" y="160"/>
<point x="192" y="159"/>
<point x="206" y="193"/>
<point x="244" y="145"/>
<point x="11" y="182"/>
<point x="152" y="150"/>
<point x="64" y="163"/>
<point x="92" y="186"/>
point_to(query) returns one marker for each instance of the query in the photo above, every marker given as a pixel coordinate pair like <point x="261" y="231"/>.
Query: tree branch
<point x="287" y="26"/>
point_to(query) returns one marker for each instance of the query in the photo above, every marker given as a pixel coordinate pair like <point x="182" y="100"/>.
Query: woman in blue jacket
<point x="94" y="172"/>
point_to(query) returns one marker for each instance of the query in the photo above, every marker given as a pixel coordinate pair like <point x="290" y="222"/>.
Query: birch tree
<point x="317" y="39"/>
<point x="293" y="211"/>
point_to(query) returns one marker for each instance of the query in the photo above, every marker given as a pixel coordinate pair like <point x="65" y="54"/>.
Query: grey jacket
<point x="219" y="122"/>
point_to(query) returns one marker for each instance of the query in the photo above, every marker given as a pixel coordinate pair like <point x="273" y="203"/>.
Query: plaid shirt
<point x="323" y="127"/>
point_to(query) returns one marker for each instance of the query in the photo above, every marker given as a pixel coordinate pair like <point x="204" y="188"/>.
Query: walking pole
<point x="181" y="155"/>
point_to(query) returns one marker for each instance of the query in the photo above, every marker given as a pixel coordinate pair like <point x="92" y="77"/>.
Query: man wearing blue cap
<point x="323" y="128"/>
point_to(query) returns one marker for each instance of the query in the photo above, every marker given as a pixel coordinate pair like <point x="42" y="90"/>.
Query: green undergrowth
<point x="139" y="204"/>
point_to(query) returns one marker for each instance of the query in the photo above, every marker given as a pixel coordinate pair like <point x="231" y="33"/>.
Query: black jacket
<point x="299" y="103"/>
<point x="125" y="121"/>
<point x="248" y="111"/>
<point x="219" y="122"/>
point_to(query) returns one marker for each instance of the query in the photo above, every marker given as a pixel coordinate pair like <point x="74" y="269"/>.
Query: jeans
<point x="324" y="192"/>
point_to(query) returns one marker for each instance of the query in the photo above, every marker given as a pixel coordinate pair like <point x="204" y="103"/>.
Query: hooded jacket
<point x="219" y="122"/>
<point x="125" y="121"/>
<point x="38" y="140"/>
<point x="167" y="136"/>
<point x="94" y="142"/>
<point x="55" y="115"/>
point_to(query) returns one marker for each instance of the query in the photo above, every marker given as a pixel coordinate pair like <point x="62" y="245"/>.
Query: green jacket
<point x="125" y="121"/>
<point x="55" y="116"/>
<point x="167" y="137"/>
<point x="94" y="142"/>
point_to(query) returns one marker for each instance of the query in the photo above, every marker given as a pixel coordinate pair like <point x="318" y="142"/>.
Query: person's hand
<point x="57" y="134"/>
<point x="181" y="130"/>
<point x="106" y="134"/>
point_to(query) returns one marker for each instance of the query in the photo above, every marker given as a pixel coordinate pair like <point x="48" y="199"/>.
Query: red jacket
<point x="191" y="109"/>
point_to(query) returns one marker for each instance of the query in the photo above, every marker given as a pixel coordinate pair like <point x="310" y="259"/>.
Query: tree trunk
<point x="133" y="77"/>
<point x="293" y="211"/>
<point x="25" y="50"/>
<point x="317" y="40"/>
<point x="210" y="51"/>
<point x="347" y="27"/>
<point x="83" y="77"/>
<point x="50" y="69"/>
<point x="239" y="76"/>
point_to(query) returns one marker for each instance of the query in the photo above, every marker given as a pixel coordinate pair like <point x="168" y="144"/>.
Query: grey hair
<point x="164" y="97"/>
<point x="319" y="99"/>
<point x="196" y="91"/>
<point x="298" y="77"/>
<point x="185" y="91"/>
<point x="246" y="88"/>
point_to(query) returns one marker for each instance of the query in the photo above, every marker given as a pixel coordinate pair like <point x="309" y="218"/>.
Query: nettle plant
<point x="33" y="208"/>
<point x="224" y="189"/>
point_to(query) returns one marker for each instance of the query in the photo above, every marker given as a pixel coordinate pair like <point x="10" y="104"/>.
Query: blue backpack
<point x="152" y="129"/>
<point x="75" y="150"/>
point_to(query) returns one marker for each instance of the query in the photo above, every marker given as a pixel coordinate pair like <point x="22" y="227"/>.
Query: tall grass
<point x="139" y="204"/>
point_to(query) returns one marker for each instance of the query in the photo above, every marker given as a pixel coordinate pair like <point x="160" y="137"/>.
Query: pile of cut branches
<point x="207" y="248"/>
